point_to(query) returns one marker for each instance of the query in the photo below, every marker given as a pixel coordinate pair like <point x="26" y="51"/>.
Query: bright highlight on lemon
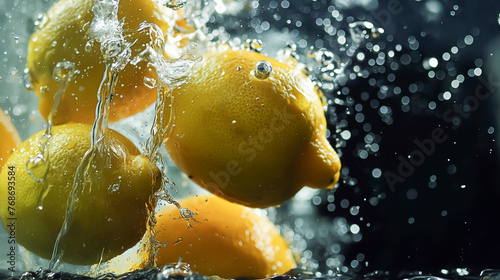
<point x="65" y="36"/>
<point x="110" y="215"/>
<point x="250" y="129"/>
<point x="228" y="240"/>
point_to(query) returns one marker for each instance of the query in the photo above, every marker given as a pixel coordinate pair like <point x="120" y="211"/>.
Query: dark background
<point x="465" y="165"/>
<point x="446" y="213"/>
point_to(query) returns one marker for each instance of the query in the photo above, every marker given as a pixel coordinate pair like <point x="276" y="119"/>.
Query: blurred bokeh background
<point x="434" y="70"/>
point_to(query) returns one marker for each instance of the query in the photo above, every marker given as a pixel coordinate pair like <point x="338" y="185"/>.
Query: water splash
<point x="180" y="269"/>
<point x="107" y="30"/>
<point x="171" y="74"/>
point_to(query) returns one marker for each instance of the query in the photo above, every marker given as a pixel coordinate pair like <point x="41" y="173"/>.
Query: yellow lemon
<point x="228" y="240"/>
<point x="248" y="133"/>
<point x="110" y="215"/>
<point x="9" y="140"/>
<point x="65" y="37"/>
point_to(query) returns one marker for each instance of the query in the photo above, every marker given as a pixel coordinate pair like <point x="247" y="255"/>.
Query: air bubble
<point x="40" y="21"/>
<point x="354" y="228"/>
<point x="433" y="62"/>
<point x="362" y="31"/>
<point x="411" y="194"/>
<point x="43" y="90"/>
<point x="173" y="4"/>
<point x="150" y="82"/>
<point x="289" y="54"/>
<point x="89" y="45"/>
<point x="63" y="71"/>
<point x="253" y="45"/>
<point x="325" y="57"/>
<point x="354" y="210"/>
<point x="263" y="69"/>
<point x="27" y="82"/>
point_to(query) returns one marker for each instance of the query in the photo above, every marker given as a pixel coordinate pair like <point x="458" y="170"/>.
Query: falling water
<point x="38" y="166"/>
<point x="106" y="29"/>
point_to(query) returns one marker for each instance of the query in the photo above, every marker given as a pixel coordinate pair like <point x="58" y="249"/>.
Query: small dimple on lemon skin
<point x="106" y="222"/>
<point x="242" y="137"/>
<point x="64" y="37"/>
<point x="228" y="240"/>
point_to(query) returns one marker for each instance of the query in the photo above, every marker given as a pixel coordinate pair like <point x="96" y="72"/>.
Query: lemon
<point x="64" y="36"/>
<point x="248" y="133"/>
<point x="228" y="240"/>
<point x="110" y="215"/>
<point x="9" y="140"/>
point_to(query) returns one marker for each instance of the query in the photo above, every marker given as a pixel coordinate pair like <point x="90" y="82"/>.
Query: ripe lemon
<point x="65" y="37"/>
<point x="9" y="140"/>
<point x="228" y="240"/>
<point x="252" y="136"/>
<point x="111" y="214"/>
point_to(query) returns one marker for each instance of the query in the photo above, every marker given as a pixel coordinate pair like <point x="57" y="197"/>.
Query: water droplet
<point x="326" y="58"/>
<point x="89" y="45"/>
<point x="364" y="30"/>
<point x="186" y="213"/>
<point x="289" y="54"/>
<point x="149" y="82"/>
<point x="43" y="90"/>
<point x="63" y="71"/>
<point x="37" y="168"/>
<point x="263" y="69"/>
<point x="253" y="45"/>
<point x="179" y="270"/>
<point x="27" y="82"/>
<point x="40" y="21"/>
<point x="173" y="4"/>
<point x="433" y="62"/>
<point x="178" y="241"/>
<point x="411" y="194"/>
